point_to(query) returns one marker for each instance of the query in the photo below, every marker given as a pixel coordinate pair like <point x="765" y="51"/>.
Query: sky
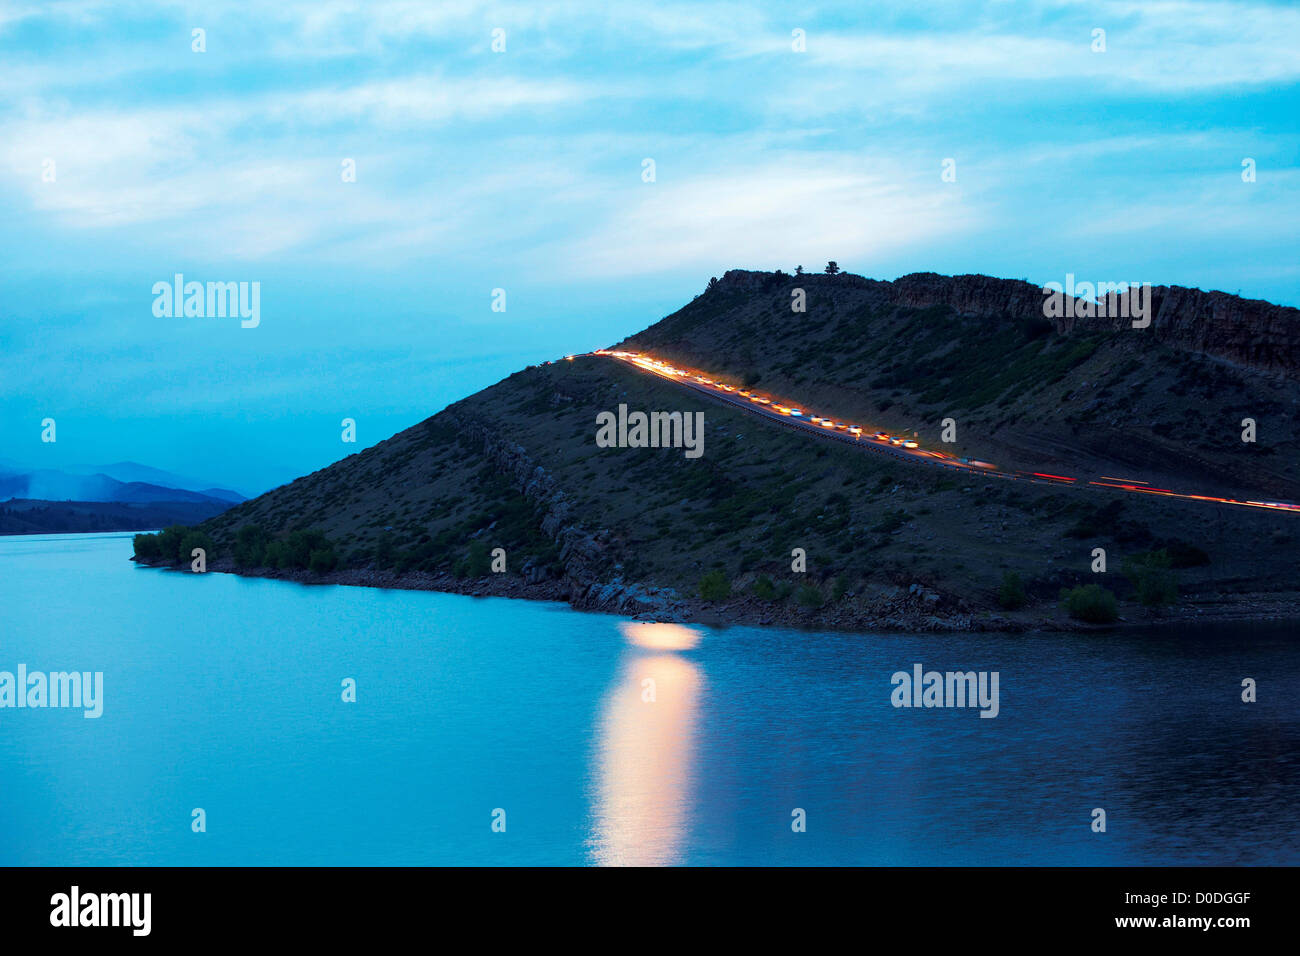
<point x="781" y="134"/>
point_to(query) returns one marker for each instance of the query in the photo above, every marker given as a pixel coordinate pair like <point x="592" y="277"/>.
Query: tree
<point x="798" y="270"/>
<point x="832" y="267"/>
<point x="146" y="547"/>
<point x="250" y="546"/>
<point x="169" y="543"/>
<point x="196" y="539"/>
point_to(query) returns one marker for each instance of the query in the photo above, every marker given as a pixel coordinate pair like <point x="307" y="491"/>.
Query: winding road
<point x="879" y="442"/>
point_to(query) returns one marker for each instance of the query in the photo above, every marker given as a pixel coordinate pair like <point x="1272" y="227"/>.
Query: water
<point x="224" y="694"/>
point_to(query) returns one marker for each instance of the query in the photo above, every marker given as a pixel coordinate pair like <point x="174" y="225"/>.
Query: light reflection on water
<point x="646" y="752"/>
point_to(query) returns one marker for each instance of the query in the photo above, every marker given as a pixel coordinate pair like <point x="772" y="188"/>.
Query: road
<point x="897" y="447"/>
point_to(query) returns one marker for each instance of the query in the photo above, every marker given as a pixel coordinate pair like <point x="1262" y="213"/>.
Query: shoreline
<point x="906" y="614"/>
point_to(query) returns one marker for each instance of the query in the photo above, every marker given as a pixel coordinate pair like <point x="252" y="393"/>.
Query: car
<point x="746" y="394"/>
<point x="910" y="444"/>
<point x="795" y="412"/>
<point x="855" y="430"/>
<point x="841" y="425"/>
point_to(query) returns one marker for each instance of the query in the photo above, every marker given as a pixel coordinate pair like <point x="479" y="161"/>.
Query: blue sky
<point x="522" y="170"/>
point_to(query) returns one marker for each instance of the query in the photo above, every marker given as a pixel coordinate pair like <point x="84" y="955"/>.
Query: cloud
<point x="774" y="213"/>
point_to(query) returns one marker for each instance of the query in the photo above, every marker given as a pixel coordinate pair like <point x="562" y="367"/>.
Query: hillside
<point x="1162" y="404"/>
<point x="888" y="544"/>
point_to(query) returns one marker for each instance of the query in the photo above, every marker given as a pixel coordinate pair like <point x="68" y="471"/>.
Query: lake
<point x="598" y="740"/>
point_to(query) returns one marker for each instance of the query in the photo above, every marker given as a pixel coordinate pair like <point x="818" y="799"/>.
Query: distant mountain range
<point x="123" y="496"/>
<point x="122" y="481"/>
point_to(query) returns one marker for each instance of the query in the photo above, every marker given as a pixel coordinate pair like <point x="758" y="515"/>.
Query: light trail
<point x="907" y="449"/>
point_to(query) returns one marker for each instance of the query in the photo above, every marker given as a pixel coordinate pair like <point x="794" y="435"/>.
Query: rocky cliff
<point x="1249" y="333"/>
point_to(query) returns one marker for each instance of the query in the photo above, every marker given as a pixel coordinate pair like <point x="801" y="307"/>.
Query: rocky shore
<point x="899" y="610"/>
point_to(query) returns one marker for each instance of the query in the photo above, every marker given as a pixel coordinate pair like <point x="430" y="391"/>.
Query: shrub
<point x="477" y="561"/>
<point x="1011" y="594"/>
<point x="146" y="547"/>
<point x="1091" y="603"/>
<point x="1150" y="576"/>
<point x="299" y="545"/>
<point x="274" y="554"/>
<point x="840" y="586"/>
<point x="196" y="539"/>
<point x="809" y="596"/>
<point x="714" y="586"/>
<point x="169" y="543"/>
<point x="764" y="589"/>
<point x="250" y="546"/>
<point x="322" y="560"/>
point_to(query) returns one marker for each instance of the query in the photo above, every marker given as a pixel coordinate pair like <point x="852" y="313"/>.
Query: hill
<point x="888" y="544"/>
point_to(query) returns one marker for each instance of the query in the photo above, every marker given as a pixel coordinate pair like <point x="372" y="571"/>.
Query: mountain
<point x="26" y="516"/>
<point x="131" y="472"/>
<point x="81" y="499"/>
<point x="52" y="485"/>
<point x="888" y="543"/>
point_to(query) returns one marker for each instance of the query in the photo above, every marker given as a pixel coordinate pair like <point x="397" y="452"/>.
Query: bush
<point x="839" y="588"/>
<point x="169" y="543"/>
<point x="196" y="539"/>
<point x="298" y="546"/>
<point x="809" y="596"/>
<point x="322" y="560"/>
<point x="274" y="554"/>
<point x="1091" y="603"/>
<point x="1011" y="594"/>
<point x="476" y="563"/>
<point x="714" y="586"/>
<point x="250" y="547"/>
<point x="1150" y="576"/>
<point x="764" y="589"/>
<point x="146" y="547"/>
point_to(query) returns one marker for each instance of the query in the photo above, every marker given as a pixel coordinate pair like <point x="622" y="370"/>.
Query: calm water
<point x="224" y="693"/>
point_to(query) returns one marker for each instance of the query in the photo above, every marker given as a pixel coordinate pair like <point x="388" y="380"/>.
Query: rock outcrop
<point x="1247" y="332"/>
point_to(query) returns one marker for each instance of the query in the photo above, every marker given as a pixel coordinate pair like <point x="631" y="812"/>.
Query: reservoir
<point x="594" y="739"/>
